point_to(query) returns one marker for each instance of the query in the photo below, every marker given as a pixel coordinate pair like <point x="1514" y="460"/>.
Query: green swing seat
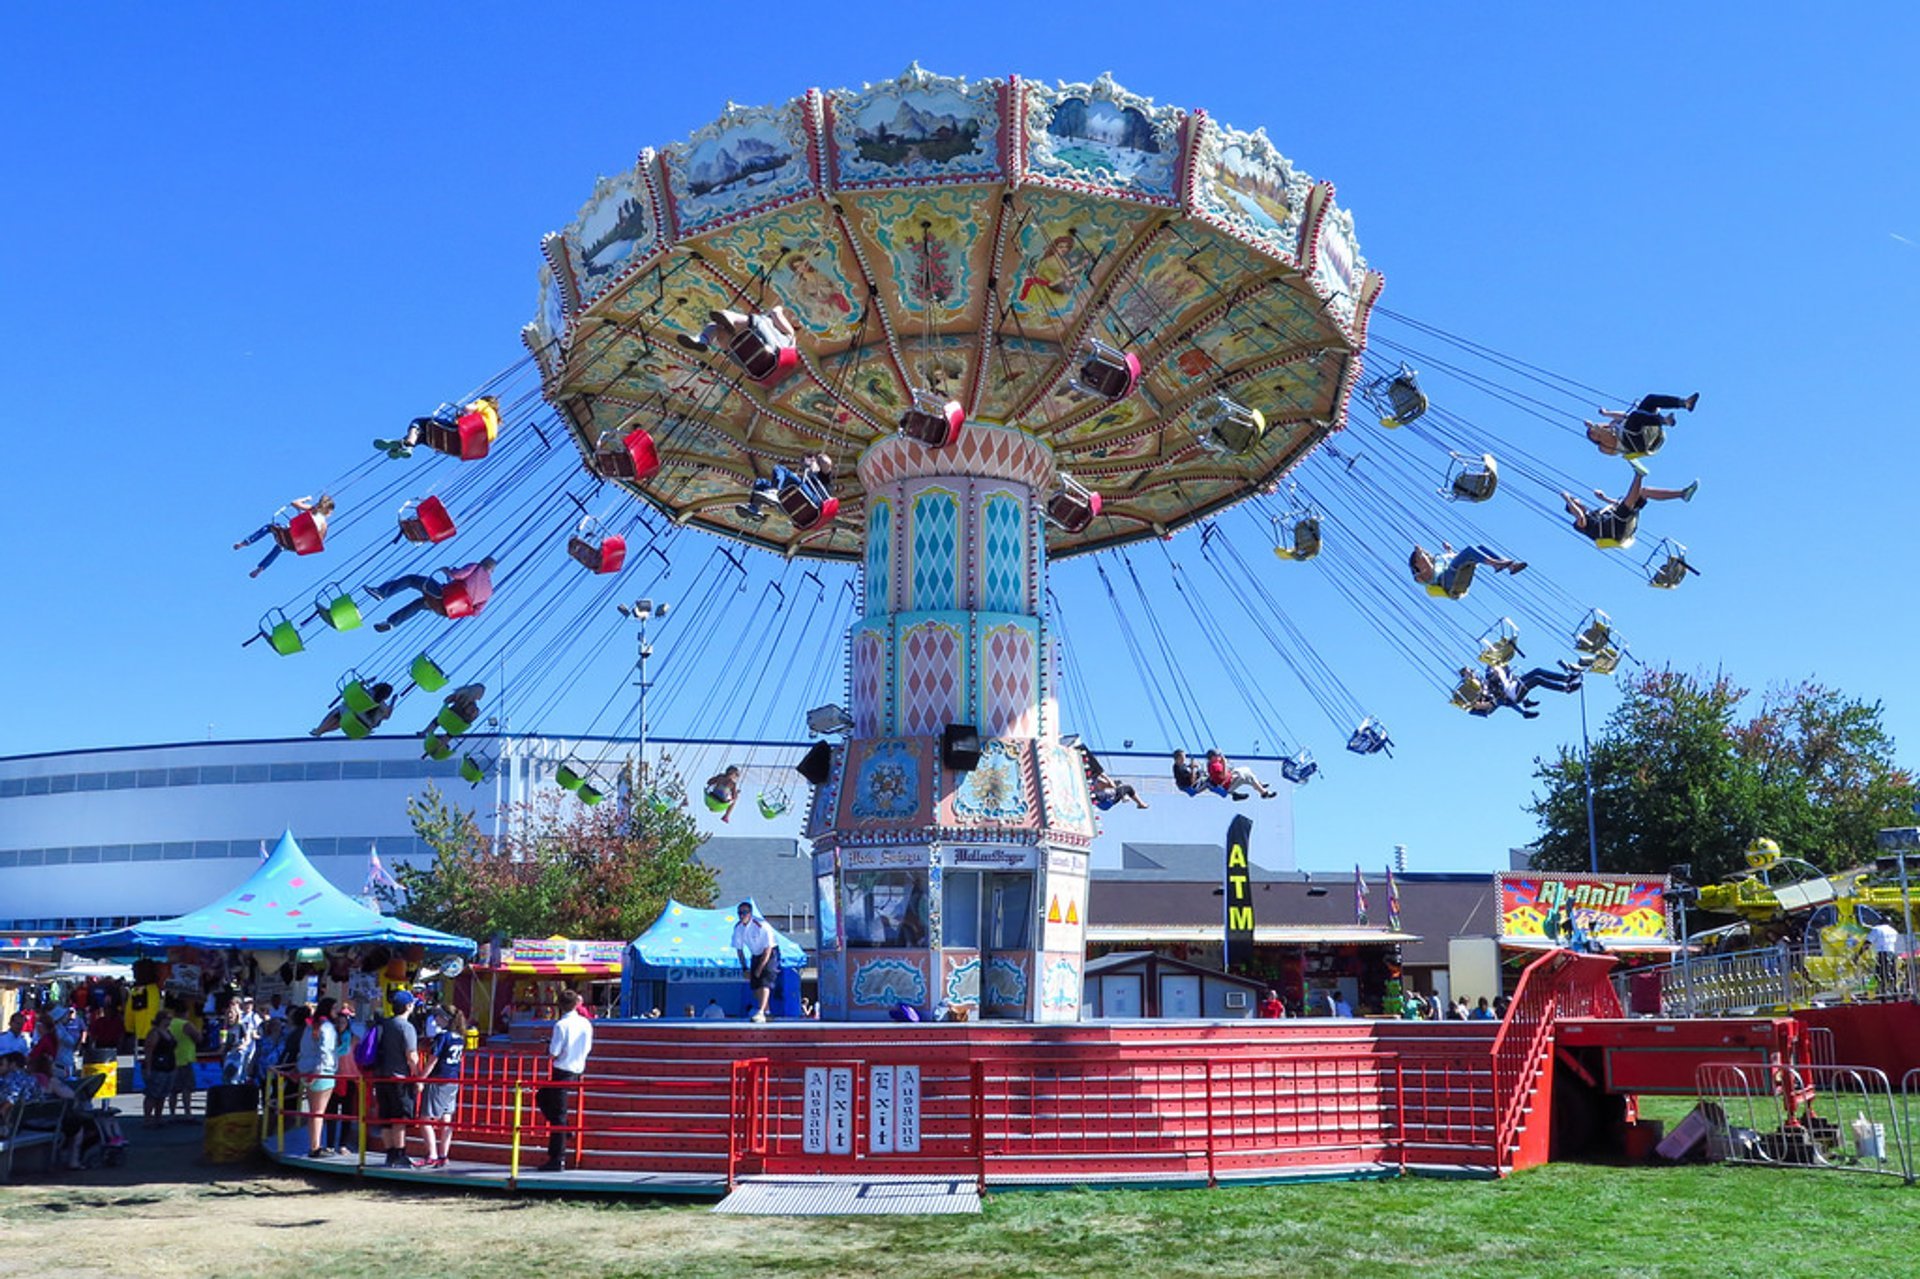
<point x="334" y="606"/>
<point x="353" y="726"/>
<point x="567" y="777"/>
<point x="717" y="805"/>
<point x="434" y="746"/>
<point x="451" y="722"/>
<point x="773" y="803"/>
<point x="282" y="635"/>
<point x="472" y="770"/>
<point x="427" y="674"/>
<point x="356" y="697"/>
<point x="590" y="795"/>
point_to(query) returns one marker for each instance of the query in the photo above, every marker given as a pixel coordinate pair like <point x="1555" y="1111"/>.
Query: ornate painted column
<point x="938" y="884"/>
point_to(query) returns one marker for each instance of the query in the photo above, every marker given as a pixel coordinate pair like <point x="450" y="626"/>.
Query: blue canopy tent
<point x="687" y="957"/>
<point x="284" y="904"/>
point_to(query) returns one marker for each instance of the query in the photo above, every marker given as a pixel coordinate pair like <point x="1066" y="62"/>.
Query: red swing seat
<point x="604" y="556"/>
<point x="803" y="511"/>
<point x="767" y="363"/>
<point x="465" y="437"/>
<point x="633" y="457"/>
<point x="426" y="520"/>
<point x="454" y="600"/>
<point x="932" y="421"/>
<point x="1073" y="506"/>
<point x="302" y="535"/>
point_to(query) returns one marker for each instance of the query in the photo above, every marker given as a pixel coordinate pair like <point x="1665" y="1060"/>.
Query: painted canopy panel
<point x="971" y="239"/>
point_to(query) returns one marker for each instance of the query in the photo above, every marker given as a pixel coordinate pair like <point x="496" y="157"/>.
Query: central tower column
<point x="951" y="837"/>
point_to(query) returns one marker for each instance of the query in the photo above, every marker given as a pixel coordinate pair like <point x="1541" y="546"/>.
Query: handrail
<point x="1560" y="983"/>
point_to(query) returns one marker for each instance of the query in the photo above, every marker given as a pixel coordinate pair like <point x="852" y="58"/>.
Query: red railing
<point x="1561" y="983"/>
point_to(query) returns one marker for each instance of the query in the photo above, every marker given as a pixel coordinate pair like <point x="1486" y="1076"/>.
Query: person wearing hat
<point x="759" y="954"/>
<point x="396" y="1065"/>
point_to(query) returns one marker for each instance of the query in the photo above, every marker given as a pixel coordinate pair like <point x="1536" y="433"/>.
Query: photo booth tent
<point x="687" y="957"/>
<point x="285" y="904"/>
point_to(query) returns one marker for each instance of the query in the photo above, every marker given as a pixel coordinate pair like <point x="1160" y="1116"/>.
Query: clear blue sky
<point x="237" y="243"/>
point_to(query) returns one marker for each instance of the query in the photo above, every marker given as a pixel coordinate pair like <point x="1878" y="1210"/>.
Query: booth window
<point x="827" y="911"/>
<point x="885" y="908"/>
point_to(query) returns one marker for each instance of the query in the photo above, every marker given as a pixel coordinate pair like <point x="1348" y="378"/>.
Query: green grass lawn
<point x="1564" y="1220"/>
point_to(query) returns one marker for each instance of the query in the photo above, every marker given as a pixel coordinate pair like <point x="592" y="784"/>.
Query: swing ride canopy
<point x="284" y="903"/>
<point x="968" y="238"/>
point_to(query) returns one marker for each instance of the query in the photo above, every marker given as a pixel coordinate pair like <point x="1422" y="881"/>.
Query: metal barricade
<point x="1836" y="1118"/>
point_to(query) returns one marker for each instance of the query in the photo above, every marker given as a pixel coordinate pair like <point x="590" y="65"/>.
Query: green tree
<point x="1680" y="777"/>
<point x="560" y="867"/>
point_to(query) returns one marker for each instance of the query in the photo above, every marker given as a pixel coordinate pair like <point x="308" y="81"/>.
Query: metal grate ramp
<point x="767" y="1196"/>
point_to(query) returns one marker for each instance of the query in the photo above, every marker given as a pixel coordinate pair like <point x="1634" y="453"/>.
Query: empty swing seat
<point x="472" y="770"/>
<point x="932" y="421"/>
<point x="1306" y="540"/>
<point x="303" y="535"/>
<point x="1470" y="485"/>
<point x="1073" y="506"/>
<point x="1227" y="426"/>
<point x="603" y="556"/>
<point x="568" y="777"/>
<point x="281" y="634"/>
<point x="633" y="456"/>
<point x="1106" y="372"/>
<point x="426" y="673"/>
<point x="773" y="803"/>
<point x="1369" y="739"/>
<point x="1299" y="768"/>
<point x="334" y="606"/>
<point x="804" y="510"/>
<point x="763" y="357"/>
<point x="590" y="794"/>
<point x="426" y="520"/>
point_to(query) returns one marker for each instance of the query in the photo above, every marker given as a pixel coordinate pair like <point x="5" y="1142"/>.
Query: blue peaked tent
<point x="285" y="903"/>
<point x="687" y="957"/>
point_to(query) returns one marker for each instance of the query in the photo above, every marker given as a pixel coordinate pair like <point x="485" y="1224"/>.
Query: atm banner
<point x="1615" y="909"/>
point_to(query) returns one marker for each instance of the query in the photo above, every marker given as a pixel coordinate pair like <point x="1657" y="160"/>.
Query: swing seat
<point x="1369" y="739"/>
<point x="765" y="360"/>
<point x="426" y="520"/>
<point x="773" y="803"/>
<point x="1106" y="372"/>
<point x="823" y="721"/>
<point x="1500" y="651"/>
<point x="454" y="600"/>
<point x="472" y="770"/>
<point x="281" y="634"/>
<point x="1398" y="399"/>
<point x="1225" y="425"/>
<point x="353" y="726"/>
<point x="715" y="804"/>
<point x="1192" y="791"/>
<point x="466" y="437"/>
<point x="1603" y="662"/>
<point x="336" y="608"/>
<point x="1461" y="584"/>
<point x="355" y="696"/>
<point x="1594" y="638"/>
<point x="1670" y="574"/>
<point x="1306" y="541"/>
<point x="1469" y="485"/>
<point x="567" y="777"/>
<point x="451" y="722"/>
<point x="302" y="535"/>
<point x="1299" y="768"/>
<point x="590" y="795"/>
<point x="932" y="421"/>
<point x="434" y="746"/>
<point x="426" y="673"/>
<point x="803" y="510"/>
<point x="1106" y="804"/>
<point x="604" y="556"/>
<point x="1224" y="792"/>
<point x="633" y="456"/>
<point x="1073" y="506"/>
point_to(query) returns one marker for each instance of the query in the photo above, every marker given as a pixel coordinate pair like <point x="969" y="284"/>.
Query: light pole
<point x="1586" y="770"/>
<point x="641" y="611"/>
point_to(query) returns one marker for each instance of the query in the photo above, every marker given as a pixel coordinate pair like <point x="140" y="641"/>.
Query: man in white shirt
<point x="759" y="954"/>
<point x="1886" y="946"/>
<point x="571" y="1042"/>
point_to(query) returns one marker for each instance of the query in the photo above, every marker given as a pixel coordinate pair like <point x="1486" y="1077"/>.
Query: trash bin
<point x="233" y="1122"/>
<point x="104" y="1062"/>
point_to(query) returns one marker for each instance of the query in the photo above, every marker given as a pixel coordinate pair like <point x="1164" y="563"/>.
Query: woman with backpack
<point x="170" y="1047"/>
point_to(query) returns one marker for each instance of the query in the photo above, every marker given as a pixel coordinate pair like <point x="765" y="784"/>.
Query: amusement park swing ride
<point x="920" y="341"/>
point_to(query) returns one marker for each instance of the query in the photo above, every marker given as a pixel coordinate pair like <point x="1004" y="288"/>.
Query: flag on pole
<point x="380" y="886"/>
<point x="1359" y="895"/>
<point x="1393" y="901"/>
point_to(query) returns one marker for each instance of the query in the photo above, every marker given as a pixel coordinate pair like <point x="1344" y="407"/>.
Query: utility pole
<point x="641" y="611"/>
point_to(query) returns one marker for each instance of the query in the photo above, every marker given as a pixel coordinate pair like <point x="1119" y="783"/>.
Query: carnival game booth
<point x="686" y="958"/>
<point x="523" y="981"/>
